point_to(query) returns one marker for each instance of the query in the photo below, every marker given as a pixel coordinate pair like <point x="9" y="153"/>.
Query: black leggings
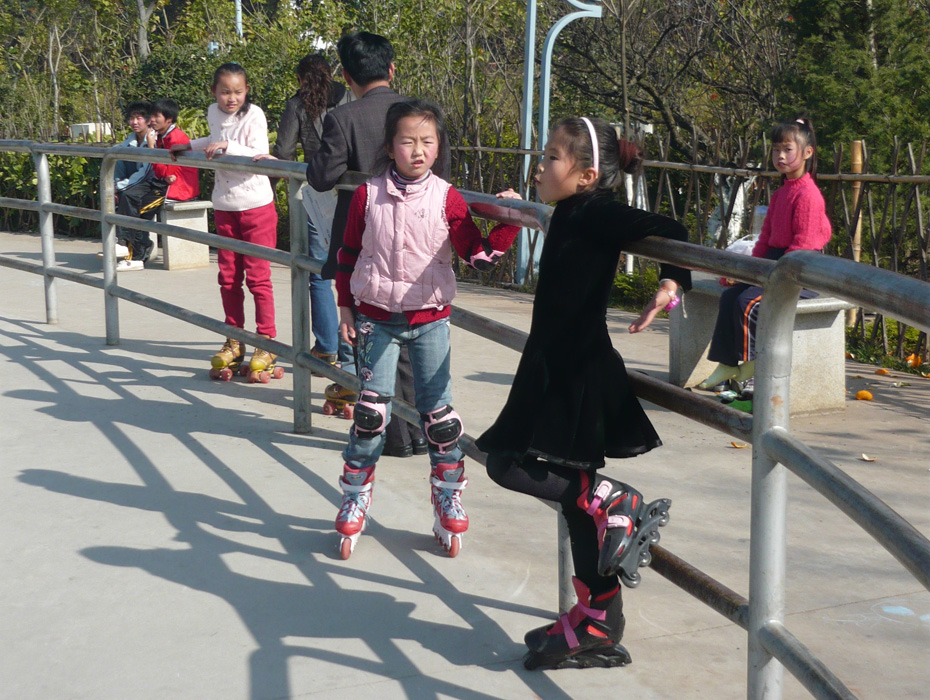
<point x="553" y="482"/>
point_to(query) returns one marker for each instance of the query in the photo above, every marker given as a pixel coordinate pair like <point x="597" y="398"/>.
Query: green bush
<point x="633" y="292"/>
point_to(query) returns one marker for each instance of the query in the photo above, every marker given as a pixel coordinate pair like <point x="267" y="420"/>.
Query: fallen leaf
<point x="900" y="384"/>
<point x="739" y="445"/>
<point x="866" y="458"/>
<point x="863" y="395"/>
<point x="882" y="371"/>
<point x="912" y="360"/>
<point x="849" y="355"/>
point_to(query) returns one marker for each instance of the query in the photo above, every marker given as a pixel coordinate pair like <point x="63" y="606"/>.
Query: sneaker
<point x="128" y="265"/>
<point x="120" y="251"/>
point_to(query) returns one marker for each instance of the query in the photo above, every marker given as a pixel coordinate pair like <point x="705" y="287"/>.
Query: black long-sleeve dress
<point x="571" y="402"/>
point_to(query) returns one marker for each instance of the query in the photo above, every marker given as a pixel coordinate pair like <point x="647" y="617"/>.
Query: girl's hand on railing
<point x="508" y="194"/>
<point x="216" y="148"/>
<point x="177" y="148"/>
<point x="665" y="298"/>
<point x="347" y="324"/>
<point x="263" y="156"/>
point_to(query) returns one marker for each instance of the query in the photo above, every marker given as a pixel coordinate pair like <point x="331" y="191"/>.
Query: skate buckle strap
<point x="448" y="485"/>
<point x="600" y="493"/>
<point x="578" y="613"/>
<point x="613" y="522"/>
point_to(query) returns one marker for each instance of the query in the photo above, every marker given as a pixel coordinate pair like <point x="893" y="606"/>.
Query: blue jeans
<point x="324" y="321"/>
<point x="379" y="344"/>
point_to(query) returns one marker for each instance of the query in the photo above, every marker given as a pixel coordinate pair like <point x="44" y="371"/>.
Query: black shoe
<point x="402" y="451"/>
<point x="419" y="446"/>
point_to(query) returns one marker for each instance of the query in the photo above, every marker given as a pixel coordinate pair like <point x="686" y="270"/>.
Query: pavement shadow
<point x="323" y="611"/>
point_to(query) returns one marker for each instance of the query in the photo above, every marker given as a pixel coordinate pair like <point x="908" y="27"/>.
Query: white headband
<point x="594" y="145"/>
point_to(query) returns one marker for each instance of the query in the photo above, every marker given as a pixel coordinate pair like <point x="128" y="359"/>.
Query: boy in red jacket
<point x="183" y="183"/>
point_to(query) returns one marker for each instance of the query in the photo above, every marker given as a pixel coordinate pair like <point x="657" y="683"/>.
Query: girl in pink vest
<point x="394" y="284"/>
<point x="796" y="220"/>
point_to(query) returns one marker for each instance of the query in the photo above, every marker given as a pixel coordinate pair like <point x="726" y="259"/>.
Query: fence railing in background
<point x="718" y="203"/>
<point x="772" y="646"/>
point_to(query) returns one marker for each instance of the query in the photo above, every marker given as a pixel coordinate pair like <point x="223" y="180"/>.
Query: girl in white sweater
<point x="243" y="205"/>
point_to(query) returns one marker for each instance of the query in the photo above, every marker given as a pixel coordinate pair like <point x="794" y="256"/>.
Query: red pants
<point x="259" y="226"/>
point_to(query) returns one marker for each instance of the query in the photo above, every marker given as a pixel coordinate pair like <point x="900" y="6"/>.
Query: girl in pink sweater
<point x="796" y="220"/>
<point x="243" y="206"/>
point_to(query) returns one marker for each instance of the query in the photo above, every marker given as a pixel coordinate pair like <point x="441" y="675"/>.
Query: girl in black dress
<point x="571" y="404"/>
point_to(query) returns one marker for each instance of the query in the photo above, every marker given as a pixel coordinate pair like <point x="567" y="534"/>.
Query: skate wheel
<point x="654" y="537"/>
<point x="347" y="412"/>
<point x="254" y="377"/>
<point x="264" y="377"/>
<point x="645" y="558"/>
<point x="328" y="409"/>
<point x="455" y="546"/>
<point x="225" y="374"/>
<point x="244" y="370"/>
<point x="278" y="372"/>
<point x="631" y="580"/>
<point x="345" y="548"/>
<point x="214" y="374"/>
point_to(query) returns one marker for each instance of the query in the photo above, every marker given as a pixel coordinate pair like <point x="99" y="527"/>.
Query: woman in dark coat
<point x="571" y="404"/>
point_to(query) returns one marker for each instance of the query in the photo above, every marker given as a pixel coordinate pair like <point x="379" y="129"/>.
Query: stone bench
<point x="177" y="253"/>
<point x="818" y="376"/>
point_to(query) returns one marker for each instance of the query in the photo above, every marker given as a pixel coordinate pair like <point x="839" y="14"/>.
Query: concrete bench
<point x="818" y="377"/>
<point x="177" y="253"/>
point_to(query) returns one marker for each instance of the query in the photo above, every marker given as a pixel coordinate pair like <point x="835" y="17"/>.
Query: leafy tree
<point x="862" y="68"/>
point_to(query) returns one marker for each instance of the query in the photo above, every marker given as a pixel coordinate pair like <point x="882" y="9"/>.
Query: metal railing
<point x="774" y="451"/>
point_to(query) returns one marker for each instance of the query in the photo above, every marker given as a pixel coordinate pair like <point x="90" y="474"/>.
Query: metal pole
<point x="47" y="232"/>
<point x="526" y="143"/>
<point x="769" y="484"/>
<point x="108" y="239"/>
<point x="567" y="597"/>
<point x="545" y="71"/>
<point x="300" y="306"/>
<point x="239" y="18"/>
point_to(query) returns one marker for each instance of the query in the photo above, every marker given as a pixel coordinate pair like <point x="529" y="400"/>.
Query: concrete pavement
<point x="168" y="536"/>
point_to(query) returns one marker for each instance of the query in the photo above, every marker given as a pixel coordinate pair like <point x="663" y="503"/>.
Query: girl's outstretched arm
<point x="665" y="298"/>
<point x="480" y="253"/>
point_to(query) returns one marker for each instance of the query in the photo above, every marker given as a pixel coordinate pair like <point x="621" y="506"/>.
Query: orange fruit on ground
<point x="882" y="371"/>
<point x="863" y="395"/>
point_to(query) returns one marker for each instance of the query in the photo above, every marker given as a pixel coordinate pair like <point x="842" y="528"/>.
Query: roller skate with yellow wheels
<point x="328" y="358"/>
<point x="340" y="401"/>
<point x="228" y="360"/>
<point x="262" y="367"/>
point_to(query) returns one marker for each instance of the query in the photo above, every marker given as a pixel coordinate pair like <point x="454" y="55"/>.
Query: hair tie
<point x="594" y="145"/>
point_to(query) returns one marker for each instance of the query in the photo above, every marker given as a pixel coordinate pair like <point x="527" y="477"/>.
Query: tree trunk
<point x="145" y="14"/>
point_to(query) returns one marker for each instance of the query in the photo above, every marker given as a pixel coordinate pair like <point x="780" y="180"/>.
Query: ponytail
<point x="579" y="135"/>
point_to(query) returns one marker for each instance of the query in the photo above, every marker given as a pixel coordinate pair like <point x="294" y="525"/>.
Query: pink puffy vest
<point x="406" y="258"/>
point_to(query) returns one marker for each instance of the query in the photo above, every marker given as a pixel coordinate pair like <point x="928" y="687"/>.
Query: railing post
<point x="567" y="596"/>
<point x="300" y="306"/>
<point x="47" y="232"/>
<point x="769" y="483"/>
<point x="108" y="240"/>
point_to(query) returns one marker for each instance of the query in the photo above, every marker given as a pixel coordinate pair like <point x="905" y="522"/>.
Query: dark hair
<point x="316" y="77"/>
<point x="167" y="108"/>
<point x="234" y="69"/>
<point x="801" y="131"/>
<point x="366" y="57"/>
<point x="615" y="156"/>
<point x="141" y="107"/>
<point x="410" y="108"/>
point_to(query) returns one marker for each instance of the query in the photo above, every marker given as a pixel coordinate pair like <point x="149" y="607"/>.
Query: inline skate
<point x="352" y="519"/>
<point x="447" y="481"/>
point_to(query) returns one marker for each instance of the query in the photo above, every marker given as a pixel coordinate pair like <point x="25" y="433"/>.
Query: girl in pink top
<point x="796" y="220"/>
<point x="243" y="205"/>
<point x="395" y="282"/>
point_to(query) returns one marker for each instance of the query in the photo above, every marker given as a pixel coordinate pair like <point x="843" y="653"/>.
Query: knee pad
<point x="370" y="415"/>
<point x="443" y="428"/>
